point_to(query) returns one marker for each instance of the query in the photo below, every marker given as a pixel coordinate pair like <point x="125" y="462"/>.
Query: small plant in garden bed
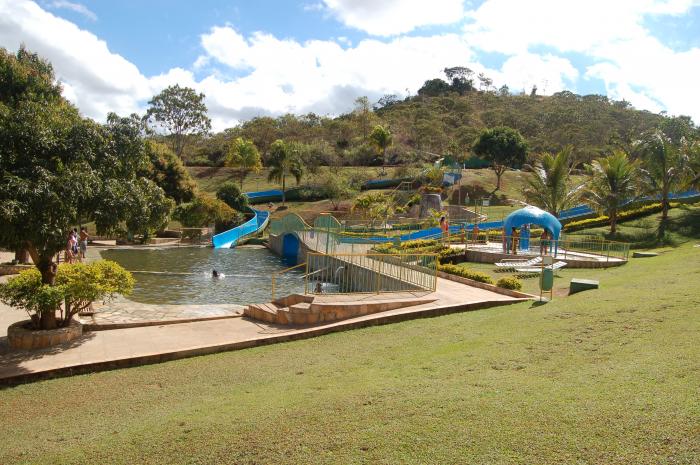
<point x="466" y="273"/>
<point x="510" y="282"/>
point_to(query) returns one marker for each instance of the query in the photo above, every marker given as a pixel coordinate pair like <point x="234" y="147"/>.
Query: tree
<point x="363" y="115"/>
<point x="434" y="87"/>
<point x="203" y="211"/>
<point x="181" y="112"/>
<point x="149" y="207"/>
<point x="245" y="156"/>
<point x="460" y="79"/>
<point x="284" y="161"/>
<point x="167" y="171"/>
<point x="381" y="138"/>
<point x="549" y="187"/>
<point x="58" y="169"/>
<point x="76" y="287"/>
<point x="336" y="189"/>
<point x="665" y="166"/>
<point x="375" y="205"/>
<point x="503" y="147"/>
<point x="614" y="180"/>
<point x="231" y="195"/>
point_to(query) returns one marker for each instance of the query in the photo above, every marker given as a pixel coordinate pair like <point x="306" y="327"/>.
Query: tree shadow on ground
<point x="11" y="360"/>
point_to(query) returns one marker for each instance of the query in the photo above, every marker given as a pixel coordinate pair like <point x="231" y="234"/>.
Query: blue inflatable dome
<point x="533" y="215"/>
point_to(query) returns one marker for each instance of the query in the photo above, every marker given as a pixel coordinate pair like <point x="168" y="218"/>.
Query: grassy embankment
<point x="478" y="183"/>
<point x="608" y="376"/>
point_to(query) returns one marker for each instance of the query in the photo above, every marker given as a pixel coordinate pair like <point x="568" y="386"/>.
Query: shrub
<point x="230" y="194"/>
<point x="466" y="273"/>
<point x="604" y="220"/>
<point x="510" y="282"/>
<point x="76" y="287"/>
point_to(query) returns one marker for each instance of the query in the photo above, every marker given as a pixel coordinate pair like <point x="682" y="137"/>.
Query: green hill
<point x="424" y="126"/>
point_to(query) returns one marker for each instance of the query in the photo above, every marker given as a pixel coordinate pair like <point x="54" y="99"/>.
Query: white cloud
<point x="321" y="76"/>
<point x="96" y="80"/>
<point x="77" y="7"/>
<point x="547" y="72"/>
<point x="632" y="63"/>
<point x="260" y="74"/>
<point x="393" y="17"/>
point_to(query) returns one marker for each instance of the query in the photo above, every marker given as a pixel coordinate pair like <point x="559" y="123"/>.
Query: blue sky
<point x="272" y="57"/>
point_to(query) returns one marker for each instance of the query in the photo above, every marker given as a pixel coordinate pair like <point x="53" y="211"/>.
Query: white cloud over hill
<point x="273" y="75"/>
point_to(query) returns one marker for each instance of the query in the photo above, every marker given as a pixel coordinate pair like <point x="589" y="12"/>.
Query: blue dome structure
<point x="533" y="215"/>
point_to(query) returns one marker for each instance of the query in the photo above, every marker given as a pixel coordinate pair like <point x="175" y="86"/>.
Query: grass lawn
<point x="606" y="377"/>
<point x="684" y="222"/>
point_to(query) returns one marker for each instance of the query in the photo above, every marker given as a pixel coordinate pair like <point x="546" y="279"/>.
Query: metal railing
<point x="579" y="248"/>
<point x="276" y="275"/>
<point x="345" y="273"/>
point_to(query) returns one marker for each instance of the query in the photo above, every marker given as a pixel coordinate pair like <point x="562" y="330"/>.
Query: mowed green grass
<point x="609" y="376"/>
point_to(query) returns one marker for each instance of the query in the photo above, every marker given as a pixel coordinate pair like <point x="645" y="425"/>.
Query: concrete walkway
<point x="99" y="350"/>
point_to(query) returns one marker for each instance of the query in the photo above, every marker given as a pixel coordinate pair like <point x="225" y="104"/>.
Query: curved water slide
<point x="235" y="236"/>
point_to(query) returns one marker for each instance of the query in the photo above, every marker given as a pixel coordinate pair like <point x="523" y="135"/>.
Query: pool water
<point x="183" y="275"/>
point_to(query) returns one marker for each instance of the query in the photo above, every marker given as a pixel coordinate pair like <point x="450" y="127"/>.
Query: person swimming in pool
<point x="215" y="274"/>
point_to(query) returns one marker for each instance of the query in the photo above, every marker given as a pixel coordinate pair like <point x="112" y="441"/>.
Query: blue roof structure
<point x="534" y="215"/>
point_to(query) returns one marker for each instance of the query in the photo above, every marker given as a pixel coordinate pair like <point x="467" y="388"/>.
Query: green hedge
<point x="466" y="273"/>
<point x="604" y="220"/>
<point x="510" y="282"/>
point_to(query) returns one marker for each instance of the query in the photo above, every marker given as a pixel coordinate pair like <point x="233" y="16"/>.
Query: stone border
<point x="7" y="269"/>
<point x="20" y="337"/>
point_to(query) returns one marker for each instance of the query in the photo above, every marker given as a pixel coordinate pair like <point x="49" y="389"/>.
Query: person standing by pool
<point x="445" y="227"/>
<point x="544" y="242"/>
<point x="514" y="239"/>
<point x="71" y="248"/>
<point x="83" y="241"/>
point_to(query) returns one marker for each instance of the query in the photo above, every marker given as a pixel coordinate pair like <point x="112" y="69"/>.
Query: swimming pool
<point x="183" y="275"/>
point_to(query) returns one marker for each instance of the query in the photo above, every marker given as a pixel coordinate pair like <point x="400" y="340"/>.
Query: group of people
<point x="511" y="243"/>
<point x="76" y="247"/>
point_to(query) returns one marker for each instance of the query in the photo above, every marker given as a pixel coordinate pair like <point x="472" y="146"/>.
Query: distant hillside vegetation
<point x="442" y="119"/>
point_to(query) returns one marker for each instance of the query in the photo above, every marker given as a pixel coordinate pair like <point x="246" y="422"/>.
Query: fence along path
<point x="415" y="272"/>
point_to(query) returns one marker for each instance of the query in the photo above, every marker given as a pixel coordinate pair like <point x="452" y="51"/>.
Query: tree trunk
<point x="48" y="275"/>
<point x="498" y="180"/>
<point x="613" y="222"/>
<point x="283" y="189"/>
<point x="22" y="256"/>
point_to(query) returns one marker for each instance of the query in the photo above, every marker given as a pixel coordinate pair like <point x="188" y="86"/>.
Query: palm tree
<point x="284" y="161"/>
<point x="550" y="186"/>
<point x="613" y="181"/>
<point x="244" y="155"/>
<point x="381" y="138"/>
<point x="665" y="166"/>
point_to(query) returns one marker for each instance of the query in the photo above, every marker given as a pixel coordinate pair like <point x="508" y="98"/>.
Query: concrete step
<point x="301" y="307"/>
<point x="264" y="312"/>
<point x="579" y="285"/>
<point x="283" y="316"/>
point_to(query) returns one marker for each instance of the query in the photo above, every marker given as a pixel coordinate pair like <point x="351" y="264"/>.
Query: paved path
<point x="135" y="346"/>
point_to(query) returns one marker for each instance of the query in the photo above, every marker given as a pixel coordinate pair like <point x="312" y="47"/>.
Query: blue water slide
<point x="232" y="237"/>
<point x="274" y="195"/>
<point x="575" y="212"/>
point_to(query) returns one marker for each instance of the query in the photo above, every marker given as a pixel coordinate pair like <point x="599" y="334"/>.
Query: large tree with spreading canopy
<point x="58" y="169"/>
